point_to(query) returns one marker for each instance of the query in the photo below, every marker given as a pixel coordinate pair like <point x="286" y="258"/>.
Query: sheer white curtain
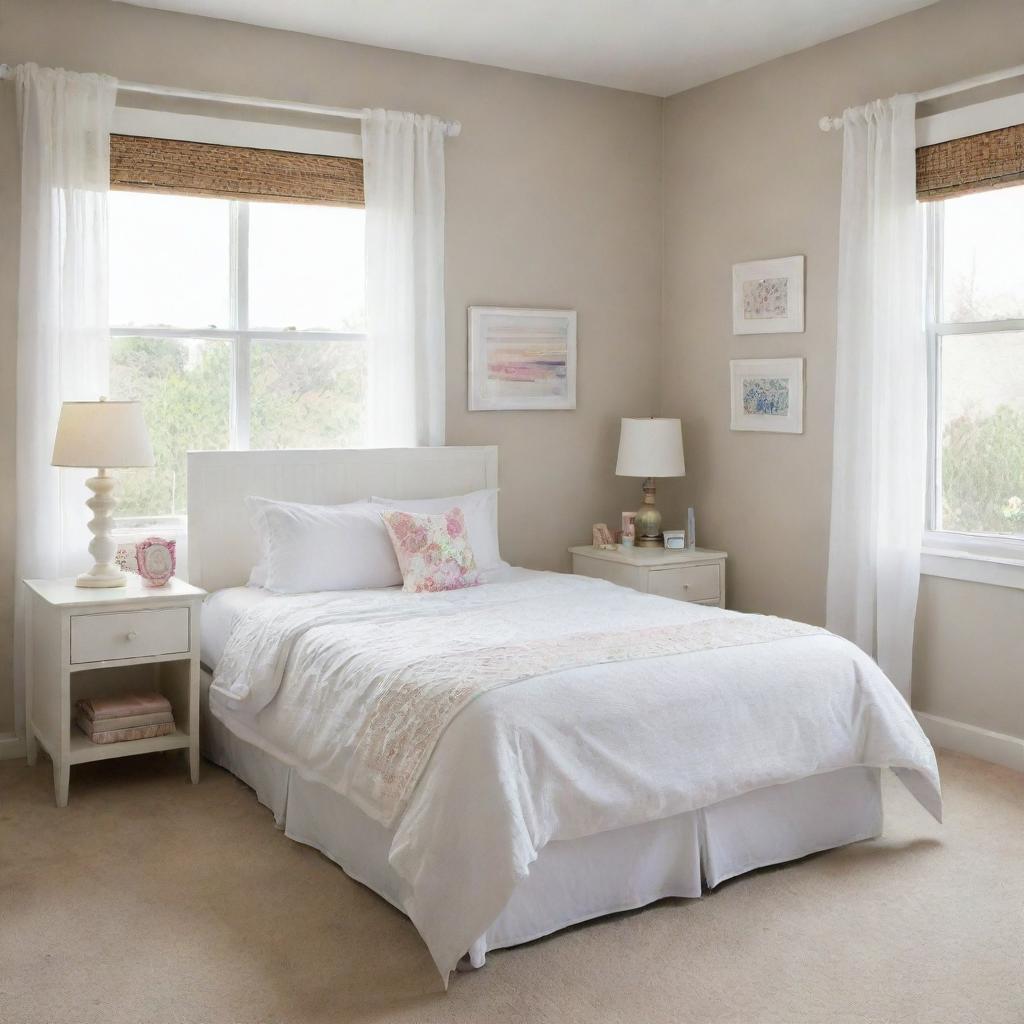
<point x="64" y="123"/>
<point x="403" y="170"/>
<point x="880" y="440"/>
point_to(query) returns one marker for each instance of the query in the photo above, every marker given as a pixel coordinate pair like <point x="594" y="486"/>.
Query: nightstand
<point x="697" y="576"/>
<point x="86" y="642"/>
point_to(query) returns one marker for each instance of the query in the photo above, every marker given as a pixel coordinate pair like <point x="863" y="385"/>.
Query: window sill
<point x="972" y="567"/>
<point x="129" y="531"/>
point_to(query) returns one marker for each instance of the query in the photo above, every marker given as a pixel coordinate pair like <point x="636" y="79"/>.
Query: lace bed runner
<point x="415" y="703"/>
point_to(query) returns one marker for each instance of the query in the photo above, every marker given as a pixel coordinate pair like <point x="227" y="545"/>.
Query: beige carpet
<point x="148" y="900"/>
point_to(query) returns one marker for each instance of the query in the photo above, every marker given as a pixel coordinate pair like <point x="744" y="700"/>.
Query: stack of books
<point x="134" y="716"/>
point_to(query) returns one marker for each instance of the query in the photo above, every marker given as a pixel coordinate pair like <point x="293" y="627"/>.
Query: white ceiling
<point x="652" y="46"/>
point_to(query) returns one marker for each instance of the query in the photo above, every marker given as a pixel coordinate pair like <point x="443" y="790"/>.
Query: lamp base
<point x="647" y="522"/>
<point x="102" y="576"/>
<point x="648" y="542"/>
<point x="104" y="573"/>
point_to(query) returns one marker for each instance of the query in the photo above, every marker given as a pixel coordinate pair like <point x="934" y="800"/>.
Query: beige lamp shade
<point x="651" y="448"/>
<point x="102" y="435"/>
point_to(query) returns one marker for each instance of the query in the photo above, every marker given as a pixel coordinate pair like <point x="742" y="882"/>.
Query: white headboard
<point x="222" y="546"/>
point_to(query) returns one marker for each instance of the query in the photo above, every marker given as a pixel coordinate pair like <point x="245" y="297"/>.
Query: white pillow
<point x="256" y="506"/>
<point x="322" y="547"/>
<point x="480" y="509"/>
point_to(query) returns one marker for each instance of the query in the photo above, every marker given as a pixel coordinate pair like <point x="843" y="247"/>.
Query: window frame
<point x="240" y="337"/>
<point x="978" y="557"/>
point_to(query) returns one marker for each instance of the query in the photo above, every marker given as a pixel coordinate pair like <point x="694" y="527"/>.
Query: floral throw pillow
<point x="433" y="550"/>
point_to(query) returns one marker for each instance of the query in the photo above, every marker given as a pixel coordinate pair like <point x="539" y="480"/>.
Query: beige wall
<point x="553" y="200"/>
<point x="969" y="654"/>
<point x="748" y="175"/>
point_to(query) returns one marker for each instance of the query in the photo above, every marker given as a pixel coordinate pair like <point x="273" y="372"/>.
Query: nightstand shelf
<point x="81" y="749"/>
<point x="86" y="643"/>
<point x="695" y="575"/>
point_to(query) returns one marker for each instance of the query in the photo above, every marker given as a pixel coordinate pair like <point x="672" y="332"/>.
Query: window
<point x="237" y="324"/>
<point x="976" y="339"/>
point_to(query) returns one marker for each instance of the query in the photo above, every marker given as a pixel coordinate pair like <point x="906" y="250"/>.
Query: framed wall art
<point x="768" y="296"/>
<point x="768" y="394"/>
<point x="521" y="358"/>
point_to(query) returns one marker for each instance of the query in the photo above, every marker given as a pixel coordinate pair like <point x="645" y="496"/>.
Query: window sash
<point x="984" y="545"/>
<point x="240" y="335"/>
<point x="241" y="381"/>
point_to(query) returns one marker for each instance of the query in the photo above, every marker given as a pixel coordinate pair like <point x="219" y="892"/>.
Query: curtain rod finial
<point x="826" y="123"/>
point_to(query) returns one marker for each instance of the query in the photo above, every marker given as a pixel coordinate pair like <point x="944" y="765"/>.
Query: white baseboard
<point x="11" y="746"/>
<point x="996" y="747"/>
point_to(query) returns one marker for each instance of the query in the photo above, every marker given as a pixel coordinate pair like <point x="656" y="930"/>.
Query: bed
<point x="507" y="760"/>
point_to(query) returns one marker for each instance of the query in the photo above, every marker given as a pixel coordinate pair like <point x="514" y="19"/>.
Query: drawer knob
<point x="132" y="634"/>
<point x="686" y="586"/>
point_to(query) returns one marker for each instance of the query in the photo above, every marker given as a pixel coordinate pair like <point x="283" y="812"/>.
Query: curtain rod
<point x="451" y="128"/>
<point x="827" y="123"/>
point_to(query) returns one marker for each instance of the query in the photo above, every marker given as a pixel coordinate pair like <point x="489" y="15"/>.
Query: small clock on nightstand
<point x="690" y="575"/>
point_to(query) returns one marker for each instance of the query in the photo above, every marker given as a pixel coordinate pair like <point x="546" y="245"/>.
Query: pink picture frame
<point x="628" y="524"/>
<point x="155" y="558"/>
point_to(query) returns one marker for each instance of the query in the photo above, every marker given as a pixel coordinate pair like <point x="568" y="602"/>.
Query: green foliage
<point x="307" y="394"/>
<point x="183" y="387"/>
<point x="983" y="472"/>
<point x="303" y="395"/>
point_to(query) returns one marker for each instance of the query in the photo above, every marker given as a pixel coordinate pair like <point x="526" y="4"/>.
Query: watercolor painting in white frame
<point x="768" y="296"/>
<point x="768" y="395"/>
<point x="521" y="358"/>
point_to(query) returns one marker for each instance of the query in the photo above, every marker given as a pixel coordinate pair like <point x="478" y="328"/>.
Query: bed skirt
<point x="579" y="879"/>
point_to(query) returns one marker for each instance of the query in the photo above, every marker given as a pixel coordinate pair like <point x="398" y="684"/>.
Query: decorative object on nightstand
<point x="156" y="561"/>
<point x="650" y="448"/>
<point x="628" y="529"/>
<point x="675" y="540"/>
<point x="697" y="576"/>
<point x="601" y="537"/>
<point x="103" y="436"/>
<point x="691" y="528"/>
<point x="125" y="558"/>
<point x="86" y="644"/>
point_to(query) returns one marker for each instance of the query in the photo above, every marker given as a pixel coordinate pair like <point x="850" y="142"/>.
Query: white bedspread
<point x="561" y="755"/>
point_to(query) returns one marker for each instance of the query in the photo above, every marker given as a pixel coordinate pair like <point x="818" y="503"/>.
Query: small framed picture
<point x="768" y="394"/>
<point x="156" y="560"/>
<point x="768" y="296"/>
<point x="628" y="524"/>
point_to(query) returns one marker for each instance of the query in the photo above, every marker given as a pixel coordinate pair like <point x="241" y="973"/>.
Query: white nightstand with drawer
<point x="86" y="642"/>
<point x="697" y="576"/>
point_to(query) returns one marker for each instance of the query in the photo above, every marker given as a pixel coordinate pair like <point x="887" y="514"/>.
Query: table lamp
<point x="102" y="435"/>
<point x="650" y="448"/>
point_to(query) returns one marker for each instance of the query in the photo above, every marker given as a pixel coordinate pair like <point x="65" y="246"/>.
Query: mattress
<point x="220" y="610"/>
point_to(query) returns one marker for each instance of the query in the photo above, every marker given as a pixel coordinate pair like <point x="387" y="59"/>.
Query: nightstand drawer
<point x="686" y="583"/>
<point x="114" y="636"/>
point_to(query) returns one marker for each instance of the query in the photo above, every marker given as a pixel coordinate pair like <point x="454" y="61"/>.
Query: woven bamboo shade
<point x="143" y="164"/>
<point x="977" y="163"/>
